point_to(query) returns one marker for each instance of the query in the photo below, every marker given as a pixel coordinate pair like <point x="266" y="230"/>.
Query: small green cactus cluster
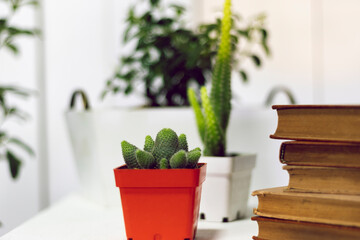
<point x="167" y="151"/>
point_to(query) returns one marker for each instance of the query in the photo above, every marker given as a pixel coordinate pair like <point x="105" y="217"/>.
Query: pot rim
<point x="144" y="178"/>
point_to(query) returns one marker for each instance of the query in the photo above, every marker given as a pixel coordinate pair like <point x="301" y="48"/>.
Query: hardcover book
<point x="325" y="154"/>
<point x="340" y="123"/>
<point x="275" y="229"/>
<point x="323" y="179"/>
<point x="308" y="207"/>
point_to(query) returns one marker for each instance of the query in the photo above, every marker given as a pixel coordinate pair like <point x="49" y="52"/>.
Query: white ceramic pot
<point x="227" y="187"/>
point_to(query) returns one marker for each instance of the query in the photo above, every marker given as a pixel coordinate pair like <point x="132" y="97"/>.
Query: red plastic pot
<point x="160" y="204"/>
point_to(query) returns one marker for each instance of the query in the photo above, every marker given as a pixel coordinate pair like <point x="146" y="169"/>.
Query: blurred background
<point x="314" y="46"/>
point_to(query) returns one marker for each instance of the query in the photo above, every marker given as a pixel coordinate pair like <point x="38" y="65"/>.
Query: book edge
<point x="311" y="139"/>
<point x="310" y="106"/>
<point x="268" y="219"/>
<point x="306" y="219"/>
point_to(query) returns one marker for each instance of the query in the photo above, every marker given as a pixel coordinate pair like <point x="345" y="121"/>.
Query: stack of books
<point x="322" y="200"/>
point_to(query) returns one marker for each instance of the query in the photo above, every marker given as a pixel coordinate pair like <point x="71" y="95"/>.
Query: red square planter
<point x="160" y="204"/>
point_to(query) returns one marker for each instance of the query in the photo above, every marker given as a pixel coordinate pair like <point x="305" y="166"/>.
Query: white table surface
<point x="76" y="218"/>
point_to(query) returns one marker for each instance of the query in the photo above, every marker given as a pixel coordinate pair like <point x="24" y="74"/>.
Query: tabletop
<point x="76" y="218"/>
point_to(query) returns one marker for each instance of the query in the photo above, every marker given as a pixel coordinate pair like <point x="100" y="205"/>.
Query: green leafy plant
<point x="169" y="57"/>
<point x="10" y="32"/>
<point x="213" y="115"/>
<point x="8" y="35"/>
<point x="167" y="151"/>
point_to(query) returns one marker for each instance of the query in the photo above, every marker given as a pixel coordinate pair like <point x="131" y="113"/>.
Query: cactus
<point x="164" y="163"/>
<point x="183" y="142"/>
<point x="213" y="116"/>
<point x="193" y="157"/>
<point x="167" y="151"/>
<point x="178" y="160"/>
<point x="149" y="144"/>
<point x="165" y="145"/>
<point x="129" y="154"/>
<point x="145" y="159"/>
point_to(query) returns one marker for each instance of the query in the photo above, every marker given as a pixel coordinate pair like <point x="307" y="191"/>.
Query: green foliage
<point x="213" y="117"/>
<point x="168" y="57"/>
<point x="9" y="33"/>
<point x="168" y="151"/>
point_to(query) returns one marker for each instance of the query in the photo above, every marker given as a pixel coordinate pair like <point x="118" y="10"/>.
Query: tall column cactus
<point x="213" y="117"/>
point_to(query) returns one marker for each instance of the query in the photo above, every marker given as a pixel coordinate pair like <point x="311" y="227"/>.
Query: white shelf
<point x="76" y="218"/>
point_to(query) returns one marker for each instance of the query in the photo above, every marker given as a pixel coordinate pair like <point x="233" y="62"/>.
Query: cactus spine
<point x="167" y="151"/>
<point x="213" y="116"/>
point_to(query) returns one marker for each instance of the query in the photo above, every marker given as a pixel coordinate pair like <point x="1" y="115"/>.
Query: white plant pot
<point x="226" y="190"/>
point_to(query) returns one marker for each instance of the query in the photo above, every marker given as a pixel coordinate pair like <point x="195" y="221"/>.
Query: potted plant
<point x="226" y="192"/>
<point x="164" y="57"/>
<point x="167" y="56"/>
<point x="160" y="187"/>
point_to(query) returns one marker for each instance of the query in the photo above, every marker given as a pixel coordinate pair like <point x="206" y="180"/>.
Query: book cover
<point x="339" y="123"/>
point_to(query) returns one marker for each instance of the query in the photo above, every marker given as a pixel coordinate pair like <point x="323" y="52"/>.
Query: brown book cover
<point x="309" y="207"/>
<point x="340" y="123"/>
<point x="325" y="154"/>
<point x="275" y="229"/>
<point x="323" y="179"/>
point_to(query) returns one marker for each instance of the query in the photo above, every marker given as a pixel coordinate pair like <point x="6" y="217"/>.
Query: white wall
<point x="341" y="59"/>
<point x="77" y="56"/>
<point x="315" y="53"/>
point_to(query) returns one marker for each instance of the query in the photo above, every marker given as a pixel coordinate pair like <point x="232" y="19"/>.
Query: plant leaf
<point x="14" y="164"/>
<point x="256" y="60"/>
<point x="12" y="47"/>
<point x="244" y="76"/>
<point x="22" y="145"/>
